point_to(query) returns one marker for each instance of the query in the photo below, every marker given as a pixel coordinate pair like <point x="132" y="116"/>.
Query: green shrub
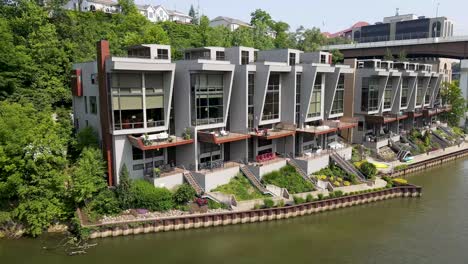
<point x="268" y="203"/>
<point x="298" y="200"/>
<point x="280" y="203"/>
<point x="331" y="195"/>
<point x="241" y="188"/>
<point x="338" y="193"/>
<point x="346" y="183"/>
<point x="320" y="196"/>
<point x="152" y="198"/>
<point x="105" y="203"/>
<point x="215" y="205"/>
<point x="287" y="177"/>
<point x="368" y="169"/>
<point x="336" y="183"/>
<point x="309" y="198"/>
<point x="257" y="206"/>
<point x="184" y="194"/>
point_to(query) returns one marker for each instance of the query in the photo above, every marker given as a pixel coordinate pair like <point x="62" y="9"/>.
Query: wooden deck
<point x="137" y="142"/>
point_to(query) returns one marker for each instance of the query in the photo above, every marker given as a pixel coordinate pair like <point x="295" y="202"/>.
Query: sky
<point x="329" y="16"/>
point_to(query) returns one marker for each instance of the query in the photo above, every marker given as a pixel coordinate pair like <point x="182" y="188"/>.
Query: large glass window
<point x="315" y="105"/>
<point x="370" y="94"/>
<point x="127" y="100"/>
<point x="388" y="94"/>
<point x="271" y="106"/>
<point x="250" y="98"/>
<point x="207" y="98"/>
<point x="154" y="97"/>
<point x="404" y="92"/>
<point x="137" y="154"/>
<point x="298" y="97"/>
<point x="338" y="100"/>
<point x="419" y="91"/>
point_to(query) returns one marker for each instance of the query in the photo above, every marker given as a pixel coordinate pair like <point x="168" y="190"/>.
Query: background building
<point x="400" y="27"/>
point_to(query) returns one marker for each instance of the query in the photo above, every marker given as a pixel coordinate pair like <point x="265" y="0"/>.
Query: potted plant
<point x="146" y="140"/>
<point x="187" y="133"/>
<point x="156" y="172"/>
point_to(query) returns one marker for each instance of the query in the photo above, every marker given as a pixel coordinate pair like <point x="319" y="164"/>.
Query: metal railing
<point x="207" y="121"/>
<point x="156" y="123"/>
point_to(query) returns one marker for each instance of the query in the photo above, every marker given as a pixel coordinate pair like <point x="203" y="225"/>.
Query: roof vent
<point x="421" y="17"/>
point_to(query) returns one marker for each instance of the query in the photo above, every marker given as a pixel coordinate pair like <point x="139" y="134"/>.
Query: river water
<point x="430" y="229"/>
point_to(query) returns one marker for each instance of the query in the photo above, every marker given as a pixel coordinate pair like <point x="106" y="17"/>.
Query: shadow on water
<point x="430" y="229"/>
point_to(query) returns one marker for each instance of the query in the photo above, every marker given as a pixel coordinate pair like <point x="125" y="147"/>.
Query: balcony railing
<point x="270" y="117"/>
<point x="129" y="125"/>
<point x="156" y="123"/>
<point x="207" y="121"/>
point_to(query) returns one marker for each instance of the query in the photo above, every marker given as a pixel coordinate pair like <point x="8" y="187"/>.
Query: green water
<point x="430" y="229"/>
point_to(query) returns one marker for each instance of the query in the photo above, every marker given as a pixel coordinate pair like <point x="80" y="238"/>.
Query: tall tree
<point x="260" y="16"/>
<point x="452" y="94"/>
<point x="87" y="177"/>
<point x="282" y="39"/>
<point x="32" y="163"/>
<point x="194" y="15"/>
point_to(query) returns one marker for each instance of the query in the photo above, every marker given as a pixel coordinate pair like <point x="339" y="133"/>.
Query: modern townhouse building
<point x="390" y="98"/>
<point x="224" y="111"/>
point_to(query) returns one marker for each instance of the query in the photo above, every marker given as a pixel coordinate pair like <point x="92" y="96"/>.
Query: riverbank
<point x="248" y="216"/>
<point x="229" y="218"/>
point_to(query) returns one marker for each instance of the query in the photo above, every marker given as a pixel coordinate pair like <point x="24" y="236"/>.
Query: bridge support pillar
<point x="464" y="88"/>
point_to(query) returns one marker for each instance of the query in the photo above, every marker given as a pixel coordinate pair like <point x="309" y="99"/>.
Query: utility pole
<point x="437" y="9"/>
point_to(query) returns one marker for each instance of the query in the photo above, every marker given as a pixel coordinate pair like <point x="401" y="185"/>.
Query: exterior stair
<point x="293" y="163"/>
<point x="440" y="140"/>
<point x="347" y="166"/>
<point x="447" y="131"/>
<point x="191" y="180"/>
<point x="251" y="177"/>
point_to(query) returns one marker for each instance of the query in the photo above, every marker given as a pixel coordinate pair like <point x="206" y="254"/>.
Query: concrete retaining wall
<point x="230" y="218"/>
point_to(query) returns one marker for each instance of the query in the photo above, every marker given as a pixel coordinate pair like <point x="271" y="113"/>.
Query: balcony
<point x="385" y="118"/>
<point x="414" y="114"/>
<point x="218" y="165"/>
<point x="429" y="112"/>
<point x="281" y="130"/>
<point x="221" y="137"/>
<point x="377" y="142"/>
<point x="342" y="123"/>
<point x="157" y="141"/>
<point x="318" y="130"/>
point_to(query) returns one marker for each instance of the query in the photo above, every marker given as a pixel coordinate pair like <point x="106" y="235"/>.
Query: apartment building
<point x="224" y="111"/>
<point x="400" y="27"/>
<point x="390" y="98"/>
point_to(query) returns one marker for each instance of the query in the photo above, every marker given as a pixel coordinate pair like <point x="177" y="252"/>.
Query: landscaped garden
<point x="368" y="169"/>
<point x="336" y="176"/>
<point x="241" y="188"/>
<point x="134" y="199"/>
<point x="422" y="141"/>
<point x="287" y="177"/>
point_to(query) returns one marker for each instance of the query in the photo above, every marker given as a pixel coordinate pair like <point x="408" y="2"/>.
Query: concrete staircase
<point x="347" y="166"/>
<point x="293" y="163"/>
<point x="256" y="182"/>
<point x="191" y="180"/>
<point x="440" y="140"/>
